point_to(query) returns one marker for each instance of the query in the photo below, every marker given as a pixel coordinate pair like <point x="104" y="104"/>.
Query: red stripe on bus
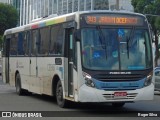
<point x="34" y="26"/>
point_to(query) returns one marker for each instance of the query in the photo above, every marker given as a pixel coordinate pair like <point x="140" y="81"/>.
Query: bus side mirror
<point x="77" y="35"/>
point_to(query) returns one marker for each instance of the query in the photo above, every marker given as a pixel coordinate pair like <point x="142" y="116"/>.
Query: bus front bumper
<point x="89" y="94"/>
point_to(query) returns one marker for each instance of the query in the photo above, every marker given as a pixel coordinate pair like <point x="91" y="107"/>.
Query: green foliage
<point x="8" y="17"/>
<point x="157" y="23"/>
<point x="157" y="7"/>
<point x="1" y="40"/>
<point x="150" y="8"/>
<point x="139" y="5"/>
<point x="134" y="3"/>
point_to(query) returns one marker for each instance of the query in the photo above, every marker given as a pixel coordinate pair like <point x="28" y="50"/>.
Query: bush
<point x="1" y="41"/>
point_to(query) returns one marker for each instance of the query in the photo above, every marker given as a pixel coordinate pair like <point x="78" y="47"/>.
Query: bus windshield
<point x="116" y="48"/>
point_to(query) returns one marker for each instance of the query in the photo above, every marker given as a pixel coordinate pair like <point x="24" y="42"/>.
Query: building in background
<point x="30" y="10"/>
<point x="120" y="5"/>
<point x="3" y="1"/>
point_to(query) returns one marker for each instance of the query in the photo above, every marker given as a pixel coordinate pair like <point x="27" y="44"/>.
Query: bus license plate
<point x="120" y="94"/>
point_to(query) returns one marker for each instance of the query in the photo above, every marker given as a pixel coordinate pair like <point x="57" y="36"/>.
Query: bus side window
<point x="43" y="43"/>
<point x="34" y="42"/>
<point x="13" y="44"/>
<point x="26" y="38"/>
<point x="28" y="47"/>
<point x="21" y="37"/>
<point x="56" y="43"/>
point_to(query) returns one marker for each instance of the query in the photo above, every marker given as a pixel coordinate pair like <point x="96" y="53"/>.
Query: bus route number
<point x="91" y="19"/>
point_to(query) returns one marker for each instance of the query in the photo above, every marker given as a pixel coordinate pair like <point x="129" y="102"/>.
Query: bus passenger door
<point x="34" y="83"/>
<point x="69" y="40"/>
<point x="7" y="49"/>
<point x="33" y="58"/>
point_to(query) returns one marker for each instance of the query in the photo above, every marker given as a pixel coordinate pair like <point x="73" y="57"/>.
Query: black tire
<point x="118" y="105"/>
<point x="19" y="89"/>
<point x="59" y="96"/>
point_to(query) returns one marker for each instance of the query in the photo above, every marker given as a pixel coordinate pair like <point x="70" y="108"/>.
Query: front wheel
<point x="59" y="96"/>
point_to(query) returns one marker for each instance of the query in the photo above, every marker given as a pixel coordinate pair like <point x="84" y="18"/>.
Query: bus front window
<point x="115" y="49"/>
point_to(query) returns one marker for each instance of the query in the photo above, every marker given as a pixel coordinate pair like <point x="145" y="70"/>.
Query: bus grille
<point x="105" y="77"/>
<point x="129" y="96"/>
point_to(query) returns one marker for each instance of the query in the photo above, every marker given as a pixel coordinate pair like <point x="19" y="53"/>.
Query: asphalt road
<point x="10" y="101"/>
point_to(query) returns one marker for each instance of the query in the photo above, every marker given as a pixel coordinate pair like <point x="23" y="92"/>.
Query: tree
<point x="150" y="8"/>
<point x="8" y="18"/>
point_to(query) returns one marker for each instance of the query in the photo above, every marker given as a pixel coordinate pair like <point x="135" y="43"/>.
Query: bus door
<point x="33" y="69"/>
<point x="69" y="39"/>
<point x="7" y="49"/>
<point x="33" y="58"/>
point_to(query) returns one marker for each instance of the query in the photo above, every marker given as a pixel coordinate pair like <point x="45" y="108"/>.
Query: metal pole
<point x="21" y="12"/>
<point x="85" y="4"/>
<point x="91" y="4"/>
<point x="57" y="7"/>
<point x="62" y="6"/>
<point x="72" y="5"/>
<point x="30" y="14"/>
<point x="117" y="4"/>
<point x="48" y="7"/>
<point x="67" y="6"/>
<point x="78" y="5"/>
<point x="27" y="13"/>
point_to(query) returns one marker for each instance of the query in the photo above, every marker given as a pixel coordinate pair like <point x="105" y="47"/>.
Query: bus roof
<point x="60" y="19"/>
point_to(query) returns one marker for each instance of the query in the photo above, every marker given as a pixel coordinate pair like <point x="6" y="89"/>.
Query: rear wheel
<point x="59" y="96"/>
<point x="118" y="105"/>
<point x="19" y="89"/>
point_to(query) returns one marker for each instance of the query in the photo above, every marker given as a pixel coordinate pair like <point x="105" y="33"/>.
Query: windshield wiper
<point x="102" y="39"/>
<point x="129" y="40"/>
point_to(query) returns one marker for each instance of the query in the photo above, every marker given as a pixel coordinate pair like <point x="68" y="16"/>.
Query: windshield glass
<point x="115" y="49"/>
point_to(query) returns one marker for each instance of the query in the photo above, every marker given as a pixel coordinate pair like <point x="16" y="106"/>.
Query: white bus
<point x="89" y="56"/>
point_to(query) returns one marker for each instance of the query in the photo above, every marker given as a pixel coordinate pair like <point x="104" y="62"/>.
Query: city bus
<point x="86" y="57"/>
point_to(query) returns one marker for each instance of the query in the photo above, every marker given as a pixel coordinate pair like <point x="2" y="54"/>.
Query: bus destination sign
<point x="113" y="20"/>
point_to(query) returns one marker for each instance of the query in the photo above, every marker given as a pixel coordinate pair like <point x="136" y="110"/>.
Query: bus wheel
<point x="19" y="90"/>
<point x="59" y="95"/>
<point x="118" y="105"/>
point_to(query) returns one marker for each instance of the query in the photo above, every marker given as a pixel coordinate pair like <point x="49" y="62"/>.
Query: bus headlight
<point x="148" y="80"/>
<point x="88" y="80"/>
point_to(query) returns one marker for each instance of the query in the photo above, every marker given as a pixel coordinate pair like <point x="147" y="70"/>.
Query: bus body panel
<point x="46" y="72"/>
<point x="40" y="83"/>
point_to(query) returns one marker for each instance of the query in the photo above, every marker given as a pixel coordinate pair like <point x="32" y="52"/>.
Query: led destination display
<point x="113" y="20"/>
